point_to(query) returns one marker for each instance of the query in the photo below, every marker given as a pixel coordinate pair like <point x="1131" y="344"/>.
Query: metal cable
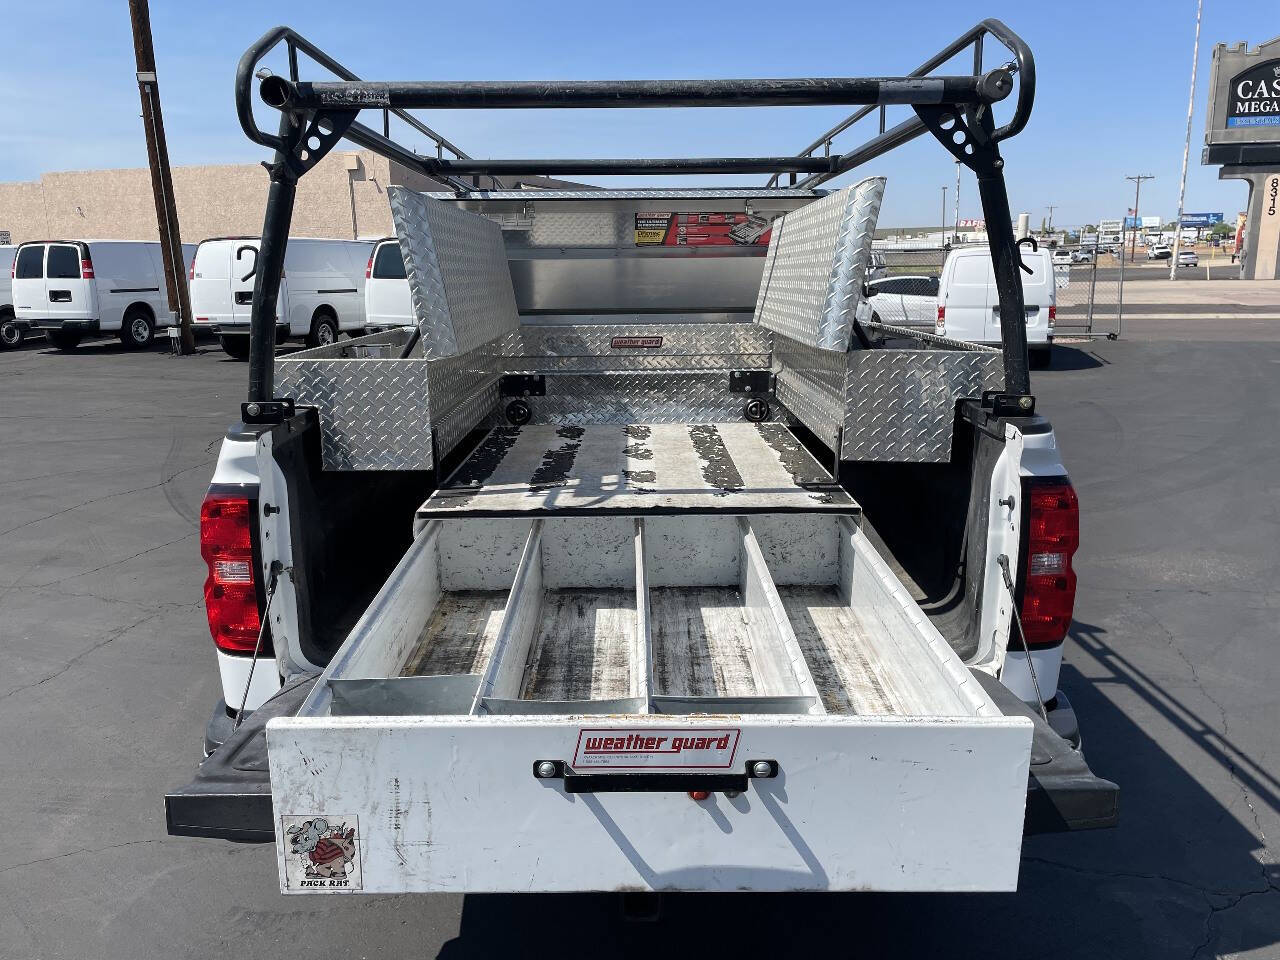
<point x="257" y="647"/>
<point x="1003" y="561"/>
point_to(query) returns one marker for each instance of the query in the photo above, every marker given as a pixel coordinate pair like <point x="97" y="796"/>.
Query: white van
<point x="969" y="307"/>
<point x="70" y="288"/>
<point x="386" y="290"/>
<point x="321" y="291"/>
<point x="11" y="332"/>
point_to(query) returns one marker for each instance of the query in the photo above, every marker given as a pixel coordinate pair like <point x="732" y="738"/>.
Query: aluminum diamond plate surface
<point x="685" y="397"/>
<point x="900" y="404"/>
<point x="457" y="270"/>
<point x="373" y="413"/>
<point x="639" y="347"/>
<point x="810" y="384"/>
<point x="818" y="256"/>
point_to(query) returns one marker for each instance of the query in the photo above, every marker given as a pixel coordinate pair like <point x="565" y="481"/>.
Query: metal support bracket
<point x="751" y="381"/>
<point x="523" y="385"/>
<point x="969" y="133"/>
<point x="1008" y="404"/>
<point x="267" y="411"/>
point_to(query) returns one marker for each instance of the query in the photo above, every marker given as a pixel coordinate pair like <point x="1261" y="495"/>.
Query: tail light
<point x="1053" y="534"/>
<point x="231" y="588"/>
<point x="86" y="265"/>
<point x="941" y="323"/>
<point x="368" y="269"/>
<point x="191" y="271"/>
<point x="1053" y="316"/>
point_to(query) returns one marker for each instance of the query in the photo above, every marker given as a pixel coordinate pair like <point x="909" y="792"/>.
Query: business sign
<point x="974" y="224"/>
<point x="1149" y="222"/>
<point x="1110" y="226"/>
<point x="1200" y="219"/>
<point x="6" y="238"/>
<point x="1132" y="223"/>
<point x="1255" y="97"/>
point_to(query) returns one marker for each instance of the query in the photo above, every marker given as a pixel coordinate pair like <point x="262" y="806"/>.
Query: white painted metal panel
<point x="451" y="804"/>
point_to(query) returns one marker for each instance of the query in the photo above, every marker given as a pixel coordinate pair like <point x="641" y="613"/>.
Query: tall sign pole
<point x="1186" y="148"/>
<point x="175" y="274"/>
<point x="1137" y="223"/>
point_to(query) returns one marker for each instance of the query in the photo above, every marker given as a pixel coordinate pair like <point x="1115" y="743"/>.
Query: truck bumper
<point x="239" y="329"/>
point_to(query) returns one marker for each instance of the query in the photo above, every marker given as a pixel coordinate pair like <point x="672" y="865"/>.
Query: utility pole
<point x="944" y="216"/>
<point x="175" y="273"/>
<point x="1137" y="223"/>
<point x="955" y="233"/>
<point x="1186" y="148"/>
<point x="1052" y="207"/>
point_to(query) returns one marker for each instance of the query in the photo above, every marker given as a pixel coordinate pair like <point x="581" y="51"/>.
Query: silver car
<point x="1188" y="258"/>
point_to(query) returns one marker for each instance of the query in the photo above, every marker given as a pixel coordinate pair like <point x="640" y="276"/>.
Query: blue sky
<point x="1111" y="98"/>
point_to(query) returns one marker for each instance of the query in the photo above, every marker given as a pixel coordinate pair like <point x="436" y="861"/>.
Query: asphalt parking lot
<point x="1173" y="665"/>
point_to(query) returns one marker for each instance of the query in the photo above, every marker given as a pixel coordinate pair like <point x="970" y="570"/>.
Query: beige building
<point x="344" y="196"/>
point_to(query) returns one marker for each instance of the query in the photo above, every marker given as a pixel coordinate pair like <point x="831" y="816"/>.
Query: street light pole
<point x="1052" y="207"/>
<point x="944" y="216"/>
<point x="955" y="231"/>
<point x="175" y="272"/>
<point x="1186" y="148"/>
<point x="1137" y="223"/>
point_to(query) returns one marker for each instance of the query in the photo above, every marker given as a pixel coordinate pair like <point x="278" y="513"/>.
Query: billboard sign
<point x="1200" y="219"/>
<point x="1156" y="222"/>
<point x="1255" y="96"/>
<point x="1110" y="226"/>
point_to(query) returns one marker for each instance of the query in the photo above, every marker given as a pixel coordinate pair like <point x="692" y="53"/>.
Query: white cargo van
<point x="386" y="290"/>
<point x="11" y="332"/>
<point x="321" y="293"/>
<point x="70" y="288"/>
<point x="969" y="306"/>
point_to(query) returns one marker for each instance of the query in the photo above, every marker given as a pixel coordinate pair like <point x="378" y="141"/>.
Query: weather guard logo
<point x="657" y="748"/>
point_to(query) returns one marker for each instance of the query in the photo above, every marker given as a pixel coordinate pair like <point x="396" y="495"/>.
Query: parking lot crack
<point x="111" y="637"/>
<point x="75" y="853"/>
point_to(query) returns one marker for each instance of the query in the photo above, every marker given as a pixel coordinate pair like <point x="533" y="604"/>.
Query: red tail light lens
<point x="86" y="265"/>
<point x="1049" y="590"/>
<point x="368" y="270"/>
<point x="191" y="271"/>
<point x="230" y="590"/>
<point x="941" y="323"/>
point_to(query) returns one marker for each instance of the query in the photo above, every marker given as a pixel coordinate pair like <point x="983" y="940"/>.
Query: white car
<point x="1062" y="258"/>
<point x="968" y="307"/>
<point x="1081" y="256"/>
<point x="1159" y="252"/>
<point x="910" y="301"/>
<point x="70" y="288"/>
<point x="321" y="293"/>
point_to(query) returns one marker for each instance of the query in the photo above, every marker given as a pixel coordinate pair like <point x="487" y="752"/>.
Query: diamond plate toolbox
<point x="459" y="281"/>
<point x="813" y="273"/>
<point x="373" y="413"/>
<point x="901" y="404"/>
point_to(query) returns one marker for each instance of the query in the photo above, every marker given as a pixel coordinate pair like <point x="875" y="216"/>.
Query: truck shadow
<point x="1071" y="357"/>
<point x="1150" y="888"/>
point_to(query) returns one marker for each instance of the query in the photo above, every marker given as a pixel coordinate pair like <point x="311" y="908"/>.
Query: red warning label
<point x="702" y="229"/>
<point x="665" y="748"/>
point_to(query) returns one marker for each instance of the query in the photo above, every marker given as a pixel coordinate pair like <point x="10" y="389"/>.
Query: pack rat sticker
<point x="321" y="852"/>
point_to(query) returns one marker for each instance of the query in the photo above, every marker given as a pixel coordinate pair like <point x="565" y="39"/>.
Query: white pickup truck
<point x="634" y="568"/>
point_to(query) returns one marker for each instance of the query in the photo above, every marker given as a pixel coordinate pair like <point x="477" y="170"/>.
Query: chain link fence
<point x="904" y="290"/>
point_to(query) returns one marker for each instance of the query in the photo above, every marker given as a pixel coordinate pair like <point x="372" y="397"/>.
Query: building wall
<point x="344" y="196"/>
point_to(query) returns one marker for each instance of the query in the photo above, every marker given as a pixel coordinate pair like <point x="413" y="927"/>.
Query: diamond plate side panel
<point x="469" y="413"/>
<point x="373" y="413"/>
<point x="458" y="277"/>
<point x="810" y="384"/>
<point x="818" y="256"/>
<point x="900" y="404"/>
<point x="639" y="398"/>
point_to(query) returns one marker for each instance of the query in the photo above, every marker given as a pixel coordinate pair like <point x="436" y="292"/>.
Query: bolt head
<point x="1024" y="403"/>
<point x="252" y="409"/>
<point x="546" y="769"/>
<point x="761" y="769"/>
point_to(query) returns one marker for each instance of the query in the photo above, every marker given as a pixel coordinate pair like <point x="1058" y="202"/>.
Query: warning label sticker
<point x="656" y="748"/>
<point x="702" y="229"/>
